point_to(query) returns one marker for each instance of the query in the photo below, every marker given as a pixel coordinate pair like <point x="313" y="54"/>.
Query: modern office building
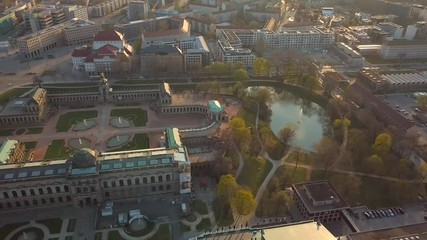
<point x="226" y="52"/>
<point x="404" y="49"/>
<point x="7" y="21"/>
<point x="107" y="7"/>
<point x="12" y="151"/>
<point x="137" y="10"/>
<point x="78" y="31"/>
<point x="88" y="177"/>
<point x="76" y="11"/>
<point x="384" y="81"/>
<point x="176" y="30"/>
<point x="348" y="55"/>
<point x="319" y="201"/>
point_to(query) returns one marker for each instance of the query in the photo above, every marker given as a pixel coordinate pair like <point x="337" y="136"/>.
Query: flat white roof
<point x="299" y="232"/>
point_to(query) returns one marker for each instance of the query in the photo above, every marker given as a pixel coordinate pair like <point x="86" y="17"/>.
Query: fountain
<point x="84" y="120"/>
<point x="118" y="138"/>
<point x="80" y="141"/>
<point x="120" y="120"/>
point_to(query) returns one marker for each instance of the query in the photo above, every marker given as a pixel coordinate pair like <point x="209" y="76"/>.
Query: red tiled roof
<point x="81" y="52"/>
<point x="107" y="50"/>
<point x="110" y="35"/>
<point x="89" y="58"/>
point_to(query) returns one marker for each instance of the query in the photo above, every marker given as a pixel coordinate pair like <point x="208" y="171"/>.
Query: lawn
<point x="253" y="173"/>
<point x="12" y="93"/>
<point x="114" y="235"/>
<point x="304" y="158"/>
<point x="54" y="224"/>
<point x="8" y="228"/>
<point x="6" y="132"/>
<point x="223" y="213"/>
<point x="163" y="233"/>
<point x="30" y="145"/>
<point x="137" y="115"/>
<point x="35" y="130"/>
<point x="68" y="119"/>
<point x="204" y="224"/>
<point x="139" y="141"/>
<point x="248" y="116"/>
<point x="200" y="207"/>
<point x="185" y="228"/>
<point x="299" y="176"/>
<point x="57" y="149"/>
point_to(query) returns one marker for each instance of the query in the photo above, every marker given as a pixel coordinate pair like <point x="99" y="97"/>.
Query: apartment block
<point x="78" y="31"/>
<point x="76" y="11"/>
<point x="137" y="10"/>
<point x="404" y="49"/>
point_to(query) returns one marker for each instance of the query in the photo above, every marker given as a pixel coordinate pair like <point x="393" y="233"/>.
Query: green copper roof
<point x="174" y="140"/>
<point x="215" y="106"/>
<point x="6" y="149"/>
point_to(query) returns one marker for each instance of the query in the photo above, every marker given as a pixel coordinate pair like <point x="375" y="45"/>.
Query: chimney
<point x="318" y="225"/>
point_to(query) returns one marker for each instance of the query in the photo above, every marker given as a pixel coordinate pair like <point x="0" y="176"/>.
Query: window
<point x="92" y="189"/>
<point x="105" y="184"/>
<point x="78" y="190"/>
<point x="168" y="178"/>
<point x="51" y="200"/>
<point x="152" y="179"/>
<point x="43" y="201"/>
<point x="26" y="203"/>
<point x="68" y="198"/>
<point x="6" y="195"/>
<point x="35" y="202"/>
<point x="107" y="194"/>
<point x="15" y="194"/>
<point x="66" y="188"/>
<point x="137" y="181"/>
<point x="160" y="188"/>
<point x="49" y="190"/>
<point x="160" y="178"/>
<point x="153" y="188"/>
<point x="18" y="204"/>
<point x="168" y="187"/>
<point x="144" y="180"/>
<point x="9" y="205"/>
<point x="60" y="199"/>
<point x="23" y="193"/>
<point x="41" y="191"/>
<point x="129" y="182"/>
<point x="32" y="192"/>
<point x="113" y="184"/>
<point x="57" y="189"/>
<point x="121" y="183"/>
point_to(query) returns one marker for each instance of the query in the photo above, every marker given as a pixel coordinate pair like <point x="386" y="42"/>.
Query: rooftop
<point x="6" y="149"/>
<point x="408" y="232"/>
<point x="215" y="106"/>
<point x="110" y="35"/>
<point x="320" y="196"/>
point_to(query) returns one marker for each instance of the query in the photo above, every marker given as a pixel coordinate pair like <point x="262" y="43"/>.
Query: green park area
<point x="5" y="230"/>
<point x="54" y="224"/>
<point x="57" y="150"/>
<point x="68" y="119"/>
<point x="139" y="141"/>
<point x="137" y="115"/>
<point x="254" y="171"/>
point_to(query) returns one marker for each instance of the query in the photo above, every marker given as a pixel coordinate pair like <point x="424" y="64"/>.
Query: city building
<point x="26" y="110"/>
<point x="416" y="31"/>
<point x="319" y="201"/>
<point x="348" y="55"/>
<point x="201" y="25"/>
<point x="138" y="9"/>
<point x="7" y="21"/>
<point x="163" y="58"/>
<point x="78" y="31"/>
<point x="175" y="29"/>
<point x="12" y="151"/>
<point x="226" y="52"/>
<point x="71" y="32"/>
<point x="393" y="30"/>
<point x="404" y="49"/>
<point x="410" y="232"/>
<point x="76" y="11"/>
<point x="43" y="17"/>
<point x="294" y="231"/>
<point x="384" y="81"/>
<point x="110" y="55"/>
<point x="419" y="12"/>
<point x="107" y="7"/>
<point x="88" y="177"/>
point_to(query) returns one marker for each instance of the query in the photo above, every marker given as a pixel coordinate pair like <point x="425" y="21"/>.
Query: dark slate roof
<point x="161" y="49"/>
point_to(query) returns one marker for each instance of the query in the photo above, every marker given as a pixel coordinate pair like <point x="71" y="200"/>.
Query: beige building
<point x="20" y="111"/>
<point x="404" y="49"/>
<point x="76" y="11"/>
<point x="157" y="59"/>
<point x="35" y="44"/>
<point x="78" y="31"/>
<point x="88" y="178"/>
<point x="12" y="151"/>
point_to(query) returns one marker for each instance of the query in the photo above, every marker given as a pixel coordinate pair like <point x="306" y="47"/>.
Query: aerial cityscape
<point x="213" y="119"/>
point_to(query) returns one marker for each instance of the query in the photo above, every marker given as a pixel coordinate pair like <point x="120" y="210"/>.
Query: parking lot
<point x="406" y="104"/>
<point x="412" y="214"/>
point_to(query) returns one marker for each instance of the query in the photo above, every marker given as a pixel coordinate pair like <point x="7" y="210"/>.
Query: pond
<point x="308" y="117"/>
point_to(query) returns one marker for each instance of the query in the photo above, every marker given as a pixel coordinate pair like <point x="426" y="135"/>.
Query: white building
<point x="76" y="11"/>
<point x="402" y="49"/>
<point x="227" y="53"/>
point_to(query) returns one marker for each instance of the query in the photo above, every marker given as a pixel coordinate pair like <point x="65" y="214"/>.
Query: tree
<point x="243" y="202"/>
<point x="422" y="101"/>
<point x="287" y="133"/>
<point x="259" y="48"/>
<point x="240" y="75"/>
<point x="281" y="202"/>
<point x="422" y="170"/>
<point x="227" y="187"/>
<point x="262" y="95"/>
<point x="241" y="134"/>
<point x="326" y="152"/>
<point x="261" y="66"/>
<point x="382" y="144"/>
<point x="375" y="164"/>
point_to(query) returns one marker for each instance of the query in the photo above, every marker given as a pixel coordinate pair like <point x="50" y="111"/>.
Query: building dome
<point x="84" y="157"/>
